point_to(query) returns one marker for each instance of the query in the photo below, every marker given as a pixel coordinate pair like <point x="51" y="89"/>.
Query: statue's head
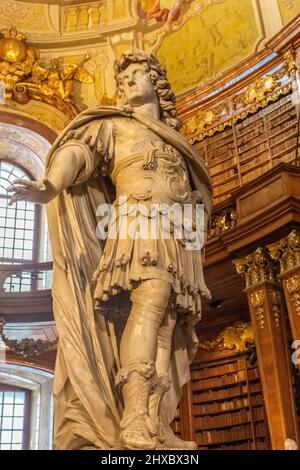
<point x="148" y="64"/>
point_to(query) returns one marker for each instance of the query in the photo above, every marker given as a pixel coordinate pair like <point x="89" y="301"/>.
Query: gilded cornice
<point x="244" y="102"/>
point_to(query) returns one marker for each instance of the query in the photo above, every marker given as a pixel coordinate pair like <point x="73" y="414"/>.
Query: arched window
<point x="19" y="225"/>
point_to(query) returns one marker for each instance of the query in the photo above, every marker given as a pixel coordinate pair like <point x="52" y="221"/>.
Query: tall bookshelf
<point x="249" y="148"/>
<point x="296" y="374"/>
<point x="228" y="406"/>
<point x="176" y="423"/>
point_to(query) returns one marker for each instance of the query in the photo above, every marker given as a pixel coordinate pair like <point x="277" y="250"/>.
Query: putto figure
<point x="122" y="361"/>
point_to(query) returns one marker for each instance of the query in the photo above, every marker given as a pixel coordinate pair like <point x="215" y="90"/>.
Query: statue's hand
<point x="32" y="191"/>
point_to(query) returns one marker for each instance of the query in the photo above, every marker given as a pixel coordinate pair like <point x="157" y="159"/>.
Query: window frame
<point x="27" y="411"/>
<point x="36" y="240"/>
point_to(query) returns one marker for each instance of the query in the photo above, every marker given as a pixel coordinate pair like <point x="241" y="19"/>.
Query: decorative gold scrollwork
<point x="275" y="301"/>
<point x="287" y="252"/>
<point x="238" y="337"/>
<point x="24" y="78"/>
<point x="257" y="299"/>
<point x="257" y="267"/>
<point x="293" y="288"/>
<point x="257" y="95"/>
<point x="222" y="222"/>
<point x="16" y="59"/>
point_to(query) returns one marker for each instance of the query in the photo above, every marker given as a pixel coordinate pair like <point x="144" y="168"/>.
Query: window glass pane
<point x="12" y="420"/>
<point x="9" y="397"/>
<point x="7" y="423"/>
<point x="17" y="437"/>
<point x="5" y="437"/>
<point x="19" y="398"/>
<point x="18" y="423"/>
<point x="5" y="447"/>
<point x="19" y="410"/>
<point x="8" y="410"/>
<point x="17" y="222"/>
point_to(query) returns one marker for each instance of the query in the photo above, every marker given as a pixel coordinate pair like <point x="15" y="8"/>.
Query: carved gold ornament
<point x="16" y="59"/>
<point x="293" y="288"/>
<point x="290" y="59"/>
<point x="275" y="301"/>
<point x="255" y="96"/>
<point x="287" y="252"/>
<point x="27" y="347"/>
<point x="257" y="91"/>
<point x="25" y="79"/>
<point x="202" y="120"/>
<point x="223" y="222"/>
<point x="238" y="337"/>
<point x="257" y="267"/>
<point x="257" y="299"/>
<point x="58" y="80"/>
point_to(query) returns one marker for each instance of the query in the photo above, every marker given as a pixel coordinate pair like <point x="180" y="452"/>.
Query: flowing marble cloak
<point x="87" y="405"/>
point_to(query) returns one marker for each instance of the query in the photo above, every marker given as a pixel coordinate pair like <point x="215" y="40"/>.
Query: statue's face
<point x="137" y="85"/>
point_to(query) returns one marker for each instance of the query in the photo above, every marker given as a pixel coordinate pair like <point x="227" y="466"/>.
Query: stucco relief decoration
<point x="288" y="9"/>
<point x="24" y="16"/>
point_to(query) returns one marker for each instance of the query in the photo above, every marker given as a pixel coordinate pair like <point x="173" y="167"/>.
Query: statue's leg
<point x="157" y="408"/>
<point x="138" y="351"/>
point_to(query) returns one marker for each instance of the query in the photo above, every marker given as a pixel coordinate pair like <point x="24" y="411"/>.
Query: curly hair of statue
<point x="158" y="75"/>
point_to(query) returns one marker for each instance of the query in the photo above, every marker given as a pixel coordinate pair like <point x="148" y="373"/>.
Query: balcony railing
<point x="25" y="277"/>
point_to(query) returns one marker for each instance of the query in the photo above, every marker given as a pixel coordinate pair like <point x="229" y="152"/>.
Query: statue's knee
<point x="153" y="292"/>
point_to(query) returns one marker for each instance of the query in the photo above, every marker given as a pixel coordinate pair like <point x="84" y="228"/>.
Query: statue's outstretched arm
<point x="66" y="164"/>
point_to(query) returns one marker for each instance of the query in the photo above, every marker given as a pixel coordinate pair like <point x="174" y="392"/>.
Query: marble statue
<point x="125" y="306"/>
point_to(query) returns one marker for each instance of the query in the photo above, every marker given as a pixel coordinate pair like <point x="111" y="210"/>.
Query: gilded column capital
<point x="257" y="267"/>
<point x="287" y="252"/>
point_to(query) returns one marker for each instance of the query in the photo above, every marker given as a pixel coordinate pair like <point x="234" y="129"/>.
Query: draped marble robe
<point x="87" y="405"/>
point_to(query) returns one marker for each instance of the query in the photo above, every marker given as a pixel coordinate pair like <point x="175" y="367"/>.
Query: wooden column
<point x="287" y="252"/>
<point x="267" y="314"/>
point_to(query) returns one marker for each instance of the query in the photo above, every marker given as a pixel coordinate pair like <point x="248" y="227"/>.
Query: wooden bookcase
<point x="228" y="406"/>
<point x="297" y="391"/>
<point x="249" y="148"/>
